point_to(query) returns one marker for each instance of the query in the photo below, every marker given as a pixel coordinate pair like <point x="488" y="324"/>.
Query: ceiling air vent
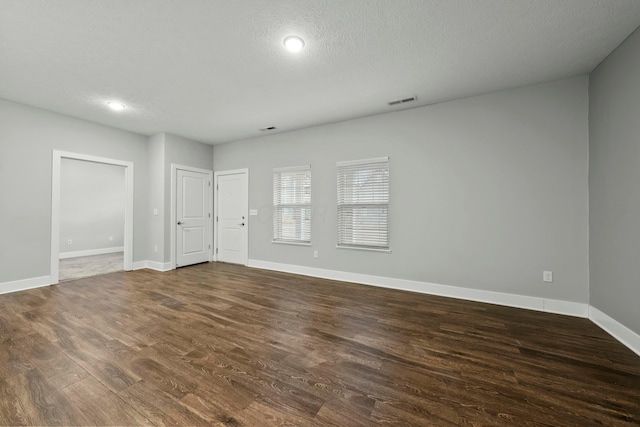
<point x="268" y="129"/>
<point x="403" y="101"/>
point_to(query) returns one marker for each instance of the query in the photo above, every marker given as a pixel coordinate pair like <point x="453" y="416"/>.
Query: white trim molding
<point x="362" y="161"/>
<point x="511" y="300"/>
<point x="153" y="265"/>
<point x="139" y="265"/>
<point x="569" y="308"/>
<point x="23" y="285"/>
<point x="91" y="252"/>
<point x="56" y="165"/>
<point x="616" y="329"/>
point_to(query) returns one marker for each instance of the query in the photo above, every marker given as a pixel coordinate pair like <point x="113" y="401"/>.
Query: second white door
<point x="232" y="221"/>
<point x="193" y="217"/>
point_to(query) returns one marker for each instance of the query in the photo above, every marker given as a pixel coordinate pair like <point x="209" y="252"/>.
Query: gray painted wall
<point x="614" y="184"/>
<point x="92" y="197"/>
<point x="156" y="198"/>
<point x="165" y="149"/>
<point x="486" y="192"/>
<point x="27" y="137"/>
<point x="186" y="152"/>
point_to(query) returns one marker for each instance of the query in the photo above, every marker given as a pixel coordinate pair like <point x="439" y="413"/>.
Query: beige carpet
<point x="87" y="266"/>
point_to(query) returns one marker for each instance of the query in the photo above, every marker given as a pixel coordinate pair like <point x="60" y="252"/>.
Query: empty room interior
<point x="320" y="213"/>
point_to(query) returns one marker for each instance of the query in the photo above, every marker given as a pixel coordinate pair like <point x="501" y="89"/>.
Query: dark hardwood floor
<point x="224" y="345"/>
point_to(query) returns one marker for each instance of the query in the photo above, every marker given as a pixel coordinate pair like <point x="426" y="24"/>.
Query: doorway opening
<point x="81" y="267"/>
<point x="91" y="216"/>
<point x="92" y="198"/>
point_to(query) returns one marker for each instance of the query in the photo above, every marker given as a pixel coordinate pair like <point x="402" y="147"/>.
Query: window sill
<point x="279" y="242"/>
<point x="387" y="251"/>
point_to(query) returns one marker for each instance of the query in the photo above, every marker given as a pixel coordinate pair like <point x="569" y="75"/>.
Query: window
<point x="292" y="205"/>
<point x="363" y="204"/>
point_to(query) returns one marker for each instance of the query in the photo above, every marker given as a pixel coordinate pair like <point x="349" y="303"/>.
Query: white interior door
<point x="192" y="214"/>
<point x="232" y="216"/>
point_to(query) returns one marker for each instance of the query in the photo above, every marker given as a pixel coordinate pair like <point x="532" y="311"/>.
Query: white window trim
<point x="292" y="168"/>
<point x="363" y="162"/>
<point x="356" y="248"/>
<point x="294" y="243"/>
<point x="287" y="241"/>
<point x="371" y="161"/>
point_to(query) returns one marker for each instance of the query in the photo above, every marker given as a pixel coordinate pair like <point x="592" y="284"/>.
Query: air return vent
<point x="403" y="101"/>
<point x="268" y="129"/>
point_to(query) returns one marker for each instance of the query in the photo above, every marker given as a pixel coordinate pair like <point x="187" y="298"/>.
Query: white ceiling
<point x="216" y="71"/>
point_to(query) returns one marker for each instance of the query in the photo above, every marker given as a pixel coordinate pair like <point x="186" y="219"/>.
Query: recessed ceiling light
<point x="293" y="43"/>
<point x="116" y="106"/>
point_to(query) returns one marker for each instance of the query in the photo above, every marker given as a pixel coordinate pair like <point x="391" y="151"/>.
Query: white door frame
<point x="172" y="236"/>
<point x="57" y="157"/>
<point x="215" y="207"/>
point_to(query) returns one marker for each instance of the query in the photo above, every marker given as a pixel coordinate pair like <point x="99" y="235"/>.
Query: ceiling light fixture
<point x="293" y="43"/>
<point x="116" y="106"/>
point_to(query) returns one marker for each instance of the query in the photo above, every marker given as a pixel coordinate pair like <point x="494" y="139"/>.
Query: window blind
<point x="363" y="203"/>
<point x="292" y="204"/>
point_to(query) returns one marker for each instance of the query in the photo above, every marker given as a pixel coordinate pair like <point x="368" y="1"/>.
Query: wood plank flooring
<point x="88" y="266"/>
<point x="225" y="345"/>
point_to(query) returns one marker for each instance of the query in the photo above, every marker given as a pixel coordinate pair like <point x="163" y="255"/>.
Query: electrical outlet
<point x="547" y="276"/>
<point x="69" y="242"/>
<point x="155" y="248"/>
<point x="315" y="254"/>
<point x="111" y="238"/>
<point x="155" y="211"/>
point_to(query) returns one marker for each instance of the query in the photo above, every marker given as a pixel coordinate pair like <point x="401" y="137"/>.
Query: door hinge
<point x="209" y="183"/>
<point x="209" y="246"/>
<point x="217" y="186"/>
<point x="209" y="215"/>
<point x="216" y="251"/>
<point x="216" y="219"/>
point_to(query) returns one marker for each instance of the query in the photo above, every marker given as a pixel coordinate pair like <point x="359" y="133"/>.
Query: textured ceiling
<point x="216" y="71"/>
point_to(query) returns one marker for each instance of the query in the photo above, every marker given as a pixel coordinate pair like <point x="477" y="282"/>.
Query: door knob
<point x="180" y="222"/>
<point x="242" y="224"/>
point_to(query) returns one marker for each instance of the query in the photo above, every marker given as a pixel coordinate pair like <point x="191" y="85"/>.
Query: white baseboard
<point x="500" y="298"/>
<point x="576" y="309"/>
<point x="23" y="285"/>
<point x="91" y="252"/>
<point x="153" y="265"/>
<point x="616" y="329"/>
<point x="139" y="265"/>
